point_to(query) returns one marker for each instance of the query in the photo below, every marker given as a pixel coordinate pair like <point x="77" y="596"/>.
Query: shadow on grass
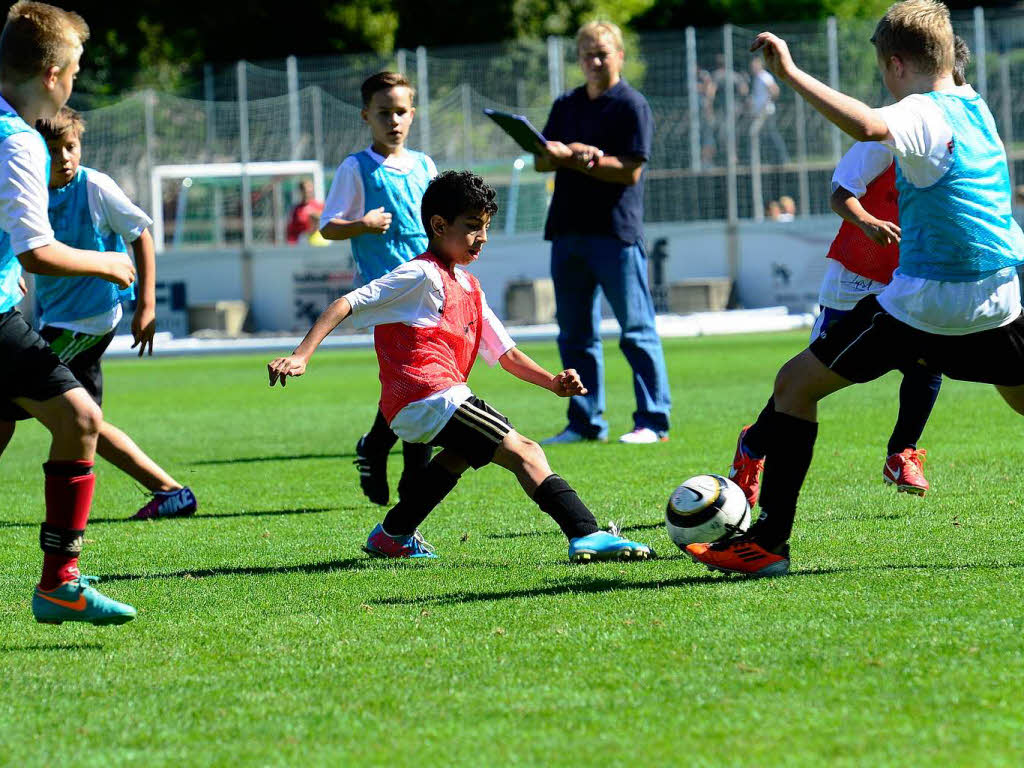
<point x="180" y="520"/>
<point x="349" y="564"/>
<point x="50" y="647"/>
<point x="556" y="532"/>
<point x="257" y="459"/>
<point x="615" y="585"/>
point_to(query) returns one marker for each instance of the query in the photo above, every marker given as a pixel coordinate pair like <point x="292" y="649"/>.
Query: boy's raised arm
<point x="564" y="384"/>
<point x="852" y="117"/>
<point x="295" y="364"/>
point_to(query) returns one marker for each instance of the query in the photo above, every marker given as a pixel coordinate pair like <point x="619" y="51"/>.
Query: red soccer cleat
<point x="746" y="470"/>
<point x="905" y="470"/>
<point x="743" y="556"/>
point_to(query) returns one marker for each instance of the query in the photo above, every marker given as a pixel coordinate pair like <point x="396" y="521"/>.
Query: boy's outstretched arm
<point x="144" y="319"/>
<point x="62" y="260"/>
<point x="375" y="222"/>
<point x="564" y="384"/>
<point x="295" y="364"/>
<point x="845" y="204"/>
<point x="854" y="118"/>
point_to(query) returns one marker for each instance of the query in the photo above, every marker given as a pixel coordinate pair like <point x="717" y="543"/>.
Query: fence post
<point x="1006" y="113"/>
<point x="732" y="228"/>
<point x="318" y="124"/>
<point x="980" y="45"/>
<point x="156" y="204"/>
<point x="217" y="203"/>
<point x="243" y="148"/>
<point x="401" y="62"/>
<point x="555" y="57"/>
<point x="833" y="80"/>
<point x="756" y="195"/>
<point x="423" y="86"/>
<point x="803" y="177"/>
<point x="292" y="65"/>
<point x="467" y="125"/>
<point x="691" y="98"/>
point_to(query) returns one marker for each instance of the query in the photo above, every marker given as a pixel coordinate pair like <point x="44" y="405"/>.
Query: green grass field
<point x="266" y="637"/>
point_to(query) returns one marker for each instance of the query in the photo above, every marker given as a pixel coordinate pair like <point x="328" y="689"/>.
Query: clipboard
<point x="519" y="128"/>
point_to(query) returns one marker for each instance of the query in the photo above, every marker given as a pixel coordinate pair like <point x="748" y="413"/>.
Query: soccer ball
<point x="706" y="508"/>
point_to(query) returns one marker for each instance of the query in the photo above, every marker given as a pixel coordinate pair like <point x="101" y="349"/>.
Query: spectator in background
<point x="763" y="93"/>
<point x="722" y="79"/>
<point x="599" y="139"/>
<point x="706" y="95"/>
<point x="305" y="216"/>
<point x="773" y="211"/>
<point x="788" y="208"/>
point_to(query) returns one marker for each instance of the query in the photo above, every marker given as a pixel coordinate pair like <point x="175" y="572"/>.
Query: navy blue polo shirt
<point x="618" y="122"/>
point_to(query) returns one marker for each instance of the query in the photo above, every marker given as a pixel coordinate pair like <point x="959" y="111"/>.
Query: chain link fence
<point x="723" y="149"/>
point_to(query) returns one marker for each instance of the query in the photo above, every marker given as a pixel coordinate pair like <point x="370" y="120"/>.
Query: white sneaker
<point x="643" y="436"/>
<point x="565" y="436"/>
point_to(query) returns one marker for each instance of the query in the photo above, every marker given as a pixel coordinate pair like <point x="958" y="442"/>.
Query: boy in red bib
<point x="431" y="320"/>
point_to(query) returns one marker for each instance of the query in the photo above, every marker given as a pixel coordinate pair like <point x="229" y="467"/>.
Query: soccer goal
<point x="224" y="204"/>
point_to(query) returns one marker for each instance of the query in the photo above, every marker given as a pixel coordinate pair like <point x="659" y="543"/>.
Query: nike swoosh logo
<point x="697" y="495"/>
<point x="78" y="605"/>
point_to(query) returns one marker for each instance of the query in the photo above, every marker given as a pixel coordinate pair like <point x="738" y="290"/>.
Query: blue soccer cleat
<point x="179" y="503"/>
<point x="603" y="545"/>
<point x="381" y="544"/>
<point x="77" y="600"/>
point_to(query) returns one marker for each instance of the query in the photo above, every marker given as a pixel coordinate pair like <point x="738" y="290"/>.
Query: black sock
<point x="380" y="439"/>
<point x="755" y="441"/>
<point x="415" y="459"/>
<point x="918" y="393"/>
<point x="431" y="485"/>
<point x="558" y="499"/>
<point x="792" y="446"/>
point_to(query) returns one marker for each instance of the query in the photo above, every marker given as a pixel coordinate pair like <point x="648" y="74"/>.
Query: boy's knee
<point x="86" y="417"/>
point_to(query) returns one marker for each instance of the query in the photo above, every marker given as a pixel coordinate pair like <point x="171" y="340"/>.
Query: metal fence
<point x="719" y="152"/>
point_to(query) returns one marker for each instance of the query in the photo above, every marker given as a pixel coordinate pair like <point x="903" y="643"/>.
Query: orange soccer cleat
<point x="741" y="555"/>
<point x="746" y="470"/>
<point x="905" y="470"/>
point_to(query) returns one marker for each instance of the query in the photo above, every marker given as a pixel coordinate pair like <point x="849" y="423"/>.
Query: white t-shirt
<point x="864" y="162"/>
<point x="24" y="198"/>
<point x="347" y="200"/>
<point x="413" y="293"/>
<point x="761" y="86"/>
<point x="111" y="211"/>
<point x="920" y="137"/>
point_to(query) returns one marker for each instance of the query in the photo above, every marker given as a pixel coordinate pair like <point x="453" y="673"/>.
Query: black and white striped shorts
<point x="474" y="431"/>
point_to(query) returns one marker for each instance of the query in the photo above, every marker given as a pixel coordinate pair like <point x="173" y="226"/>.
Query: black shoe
<point x="373" y="474"/>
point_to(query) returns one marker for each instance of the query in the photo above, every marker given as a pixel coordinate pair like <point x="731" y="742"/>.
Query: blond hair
<point x="594" y="30"/>
<point x="38" y="36"/>
<point x="66" y="121"/>
<point x="919" y="32"/>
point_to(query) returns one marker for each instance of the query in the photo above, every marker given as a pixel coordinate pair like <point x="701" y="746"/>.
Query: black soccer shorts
<point x="474" y="431"/>
<point x="868" y="342"/>
<point x="30" y="367"/>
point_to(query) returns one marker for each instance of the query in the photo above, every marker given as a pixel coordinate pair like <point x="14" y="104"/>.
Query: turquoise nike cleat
<point x="381" y="544"/>
<point x="77" y="600"/>
<point x="603" y="545"/>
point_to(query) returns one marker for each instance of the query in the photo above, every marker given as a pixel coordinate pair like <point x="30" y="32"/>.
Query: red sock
<point x="69" y="487"/>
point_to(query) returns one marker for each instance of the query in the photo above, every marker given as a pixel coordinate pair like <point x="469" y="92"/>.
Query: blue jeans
<point x="579" y="266"/>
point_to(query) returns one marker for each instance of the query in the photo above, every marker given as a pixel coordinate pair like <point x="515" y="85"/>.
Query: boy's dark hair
<point x="384" y="81"/>
<point x="961" y="58"/>
<point x="38" y="36"/>
<point x="453" y="193"/>
<point x="64" y="122"/>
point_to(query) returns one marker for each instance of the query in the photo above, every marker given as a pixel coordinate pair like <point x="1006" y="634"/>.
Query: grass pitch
<point x="266" y="637"/>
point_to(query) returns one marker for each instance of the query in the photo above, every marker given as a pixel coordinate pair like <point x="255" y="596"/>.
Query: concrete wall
<point x="778" y="264"/>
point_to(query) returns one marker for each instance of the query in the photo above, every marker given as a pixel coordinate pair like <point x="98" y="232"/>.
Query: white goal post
<point x="243" y="171"/>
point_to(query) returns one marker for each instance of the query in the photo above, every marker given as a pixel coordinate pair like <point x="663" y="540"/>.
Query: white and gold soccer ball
<point x="706" y="508"/>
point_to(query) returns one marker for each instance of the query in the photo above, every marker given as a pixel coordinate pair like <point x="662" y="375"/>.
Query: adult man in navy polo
<point x="598" y="140"/>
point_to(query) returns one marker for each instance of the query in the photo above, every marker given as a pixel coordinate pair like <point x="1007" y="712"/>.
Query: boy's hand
<point x="120" y="269"/>
<point x="22" y="286"/>
<point x="143" y="328"/>
<point x="568" y="383"/>
<point x="881" y="232"/>
<point x="283" y="367"/>
<point x="776" y="54"/>
<point x="377" y="221"/>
